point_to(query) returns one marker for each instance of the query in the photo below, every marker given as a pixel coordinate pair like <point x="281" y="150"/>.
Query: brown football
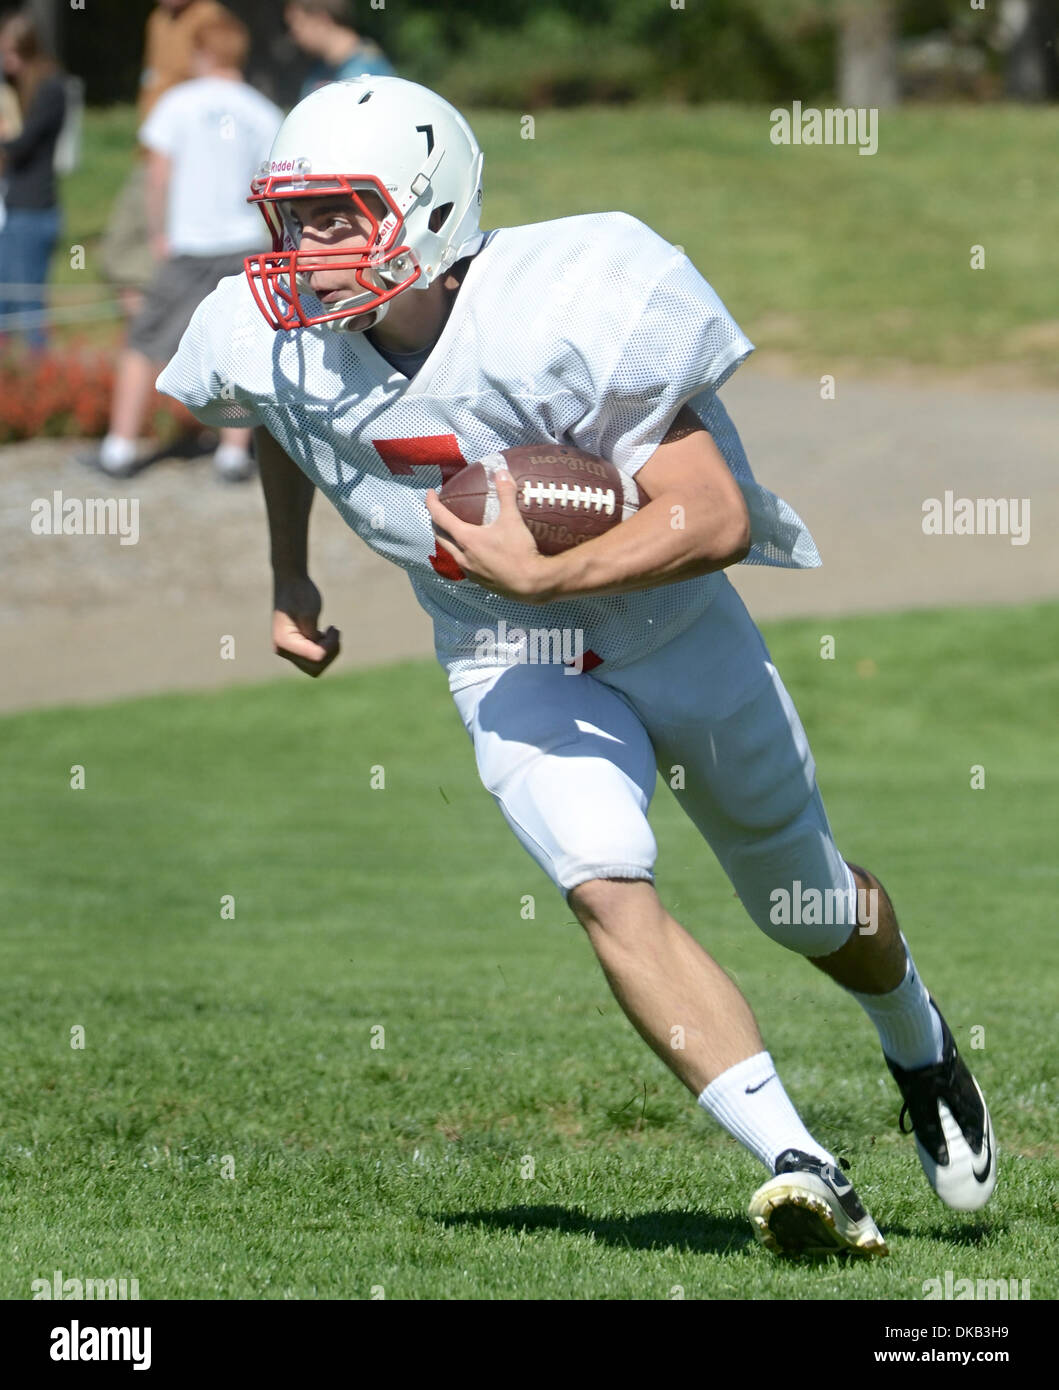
<point x="565" y="495"/>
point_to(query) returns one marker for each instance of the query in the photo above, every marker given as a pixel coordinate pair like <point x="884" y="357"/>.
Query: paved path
<point x="87" y="619"/>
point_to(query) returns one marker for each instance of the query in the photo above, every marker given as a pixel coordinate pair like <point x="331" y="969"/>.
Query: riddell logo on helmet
<point x="281" y="166"/>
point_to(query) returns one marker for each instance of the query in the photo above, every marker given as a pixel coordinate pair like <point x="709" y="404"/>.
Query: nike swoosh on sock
<point x="751" y="1089"/>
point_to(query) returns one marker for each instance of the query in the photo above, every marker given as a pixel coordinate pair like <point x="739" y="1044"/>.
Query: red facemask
<point x="273" y="275"/>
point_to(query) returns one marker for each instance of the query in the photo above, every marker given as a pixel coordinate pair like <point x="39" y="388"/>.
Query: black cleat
<point x="954" y="1135"/>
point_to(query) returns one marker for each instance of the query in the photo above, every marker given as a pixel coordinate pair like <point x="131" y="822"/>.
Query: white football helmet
<point x="380" y="135"/>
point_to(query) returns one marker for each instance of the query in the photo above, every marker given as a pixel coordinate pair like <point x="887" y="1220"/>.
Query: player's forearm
<point x="288" y="500"/>
<point x="676" y="536"/>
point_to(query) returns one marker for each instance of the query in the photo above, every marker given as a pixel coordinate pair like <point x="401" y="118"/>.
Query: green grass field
<point x="227" y="1129"/>
<point x="820" y="253"/>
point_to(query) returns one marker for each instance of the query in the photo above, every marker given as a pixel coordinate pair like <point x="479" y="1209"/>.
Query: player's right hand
<point x="295" y="635"/>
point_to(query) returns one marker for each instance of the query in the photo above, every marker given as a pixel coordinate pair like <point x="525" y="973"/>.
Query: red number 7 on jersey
<point x="434" y="450"/>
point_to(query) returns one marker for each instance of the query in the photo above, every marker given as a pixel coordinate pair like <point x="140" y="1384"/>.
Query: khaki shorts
<point x="178" y="288"/>
<point x="126" y="249"/>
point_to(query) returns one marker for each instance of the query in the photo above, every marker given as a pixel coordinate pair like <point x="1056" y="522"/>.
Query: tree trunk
<point x="1032" y="70"/>
<point x="867" y="53"/>
<point x="46" y="19"/>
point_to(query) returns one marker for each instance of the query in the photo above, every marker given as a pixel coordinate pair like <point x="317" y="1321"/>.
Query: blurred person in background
<point x="324" y="29"/>
<point x="10" y="126"/>
<point x="27" y="169"/>
<point x="128" y="262"/>
<point x="206" y="139"/>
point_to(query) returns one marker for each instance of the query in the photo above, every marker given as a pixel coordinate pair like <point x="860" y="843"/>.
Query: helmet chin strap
<point x="361" y="323"/>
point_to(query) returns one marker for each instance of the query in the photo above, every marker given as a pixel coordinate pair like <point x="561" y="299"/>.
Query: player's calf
<point x="695" y="1019"/>
<point x="676" y="996"/>
<point x="873" y="959"/>
<point x="945" y="1106"/>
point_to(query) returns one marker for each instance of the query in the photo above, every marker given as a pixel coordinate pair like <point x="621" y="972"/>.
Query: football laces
<point x="574" y="495"/>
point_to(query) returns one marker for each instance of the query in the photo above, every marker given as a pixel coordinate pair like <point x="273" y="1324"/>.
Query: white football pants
<point x="571" y="762"/>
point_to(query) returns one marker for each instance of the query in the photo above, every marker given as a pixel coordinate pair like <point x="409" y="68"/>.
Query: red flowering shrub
<point x="66" y="392"/>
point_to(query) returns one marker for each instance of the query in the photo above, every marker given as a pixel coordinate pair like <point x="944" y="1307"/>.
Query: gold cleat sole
<point x="794" y="1214"/>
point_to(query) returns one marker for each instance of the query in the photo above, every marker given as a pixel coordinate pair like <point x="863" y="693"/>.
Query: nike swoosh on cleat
<point x="751" y="1089"/>
<point x="838" y="1180"/>
<point x="984" y="1174"/>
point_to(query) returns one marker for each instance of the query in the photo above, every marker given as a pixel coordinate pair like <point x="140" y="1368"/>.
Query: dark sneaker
<point x="810" y="1208"/>
<point x="954" y="1135"/>
<point x="93" y="458"/>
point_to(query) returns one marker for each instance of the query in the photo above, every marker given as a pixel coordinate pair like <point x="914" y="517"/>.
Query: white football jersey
<point x="590" y="331"/>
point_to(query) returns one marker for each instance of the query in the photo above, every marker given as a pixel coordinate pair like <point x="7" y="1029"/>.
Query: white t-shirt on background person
<point x="215" y="132"/>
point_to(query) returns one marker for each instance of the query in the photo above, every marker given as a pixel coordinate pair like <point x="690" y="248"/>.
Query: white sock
<point x="229" y="456"/>
<point x="760" y="1116"/>
<point x="116" y="452"/>
<point x="908" y="1026"/>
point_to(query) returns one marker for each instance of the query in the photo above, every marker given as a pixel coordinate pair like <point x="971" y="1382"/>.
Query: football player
<point x="386" y="342"/>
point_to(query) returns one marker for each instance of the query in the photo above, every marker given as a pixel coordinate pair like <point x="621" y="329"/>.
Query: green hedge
<point x="746" y="50"/>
